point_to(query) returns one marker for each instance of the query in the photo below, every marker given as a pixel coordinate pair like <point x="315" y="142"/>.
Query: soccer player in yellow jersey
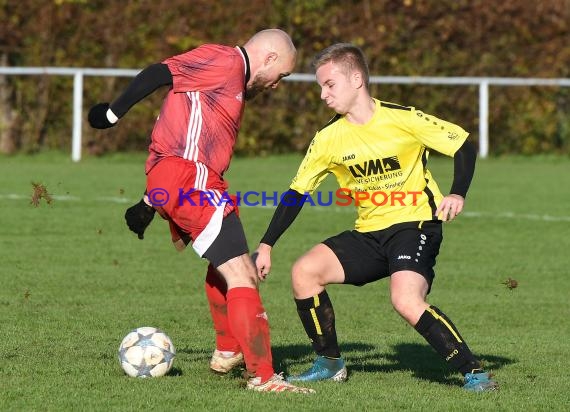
<point x="378" y="153"/>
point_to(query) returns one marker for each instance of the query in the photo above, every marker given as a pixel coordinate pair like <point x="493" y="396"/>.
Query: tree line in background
<point x="511" y="38"/>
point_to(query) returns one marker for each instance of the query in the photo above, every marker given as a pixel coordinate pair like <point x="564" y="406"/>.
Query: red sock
<point x="248" y="320"/>
<point x="216" y="290"/>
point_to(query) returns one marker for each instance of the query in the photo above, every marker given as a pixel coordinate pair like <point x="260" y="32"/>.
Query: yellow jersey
<point x="381" y="166"/>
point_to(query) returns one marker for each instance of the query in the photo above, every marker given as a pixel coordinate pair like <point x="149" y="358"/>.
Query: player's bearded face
<point x="269" y="77"/>
<point x="261" y="82"/>
<point x="255" y="87"/>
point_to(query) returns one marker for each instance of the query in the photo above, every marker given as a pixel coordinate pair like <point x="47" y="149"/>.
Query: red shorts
<point x="192" y="198"/>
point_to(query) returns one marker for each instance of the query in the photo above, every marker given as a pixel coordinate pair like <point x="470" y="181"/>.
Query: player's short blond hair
<point x="346" y="55"/>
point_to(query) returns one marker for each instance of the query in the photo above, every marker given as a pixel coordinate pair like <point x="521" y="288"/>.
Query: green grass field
<point x="74" y="281"/>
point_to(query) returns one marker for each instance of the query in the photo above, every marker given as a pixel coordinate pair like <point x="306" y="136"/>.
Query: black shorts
<point x="370" y="256"/>
<point x="230" y="243"/>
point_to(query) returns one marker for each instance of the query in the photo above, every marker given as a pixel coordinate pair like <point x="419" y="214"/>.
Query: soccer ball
<point x="146" y="352"/>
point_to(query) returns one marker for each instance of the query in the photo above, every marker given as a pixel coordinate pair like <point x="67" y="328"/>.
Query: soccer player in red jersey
<point x="191" y="148"/>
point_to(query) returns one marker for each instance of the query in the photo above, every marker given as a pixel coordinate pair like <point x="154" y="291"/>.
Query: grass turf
<point x="74" y="281"/>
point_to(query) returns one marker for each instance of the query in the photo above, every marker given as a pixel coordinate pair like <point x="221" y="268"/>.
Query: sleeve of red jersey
<point x="207" y="67"/>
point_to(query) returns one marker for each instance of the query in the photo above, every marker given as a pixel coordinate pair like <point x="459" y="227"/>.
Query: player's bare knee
<point x="408" y="308"/>
<point x="239" y="271"/>
<point x="403" y="306"/>
<point x="240" y="279"/>
<point x="304" y="268"/>
<point x="247" y="271"/>
<point x="304" y="275"/>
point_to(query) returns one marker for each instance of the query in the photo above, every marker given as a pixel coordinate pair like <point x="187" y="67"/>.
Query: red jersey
<point x="201" y="114"/>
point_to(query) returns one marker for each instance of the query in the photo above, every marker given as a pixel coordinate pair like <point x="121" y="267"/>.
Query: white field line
<point x="335" y="209"/>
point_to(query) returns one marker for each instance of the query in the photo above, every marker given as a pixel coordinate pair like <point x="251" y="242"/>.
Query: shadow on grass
<point x="175" y="372"/>
<point x="420" y="360"/>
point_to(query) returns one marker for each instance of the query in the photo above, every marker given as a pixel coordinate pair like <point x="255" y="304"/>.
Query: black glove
<point x="98" y="116"/>
<point x="138" y="217"/>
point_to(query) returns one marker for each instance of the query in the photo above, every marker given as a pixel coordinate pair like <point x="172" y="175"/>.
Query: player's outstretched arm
<point x="463" y="170"/>
<point x="105" y="115"/>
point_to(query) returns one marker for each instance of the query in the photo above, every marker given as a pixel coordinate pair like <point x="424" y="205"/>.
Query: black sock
<point x="317" y="316"/>
<point x="442" y="335"/>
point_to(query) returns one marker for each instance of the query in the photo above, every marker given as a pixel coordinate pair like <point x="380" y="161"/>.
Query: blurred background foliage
<point x="511" y="38"/>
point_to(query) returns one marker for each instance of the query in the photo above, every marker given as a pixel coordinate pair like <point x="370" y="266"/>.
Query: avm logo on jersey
<point x="341" y="197"/>
<point x="374" y="166"/>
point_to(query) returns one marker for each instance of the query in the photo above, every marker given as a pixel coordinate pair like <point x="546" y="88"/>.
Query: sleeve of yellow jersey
<point x="313" y="169"/>
<point x="437" y="134"/>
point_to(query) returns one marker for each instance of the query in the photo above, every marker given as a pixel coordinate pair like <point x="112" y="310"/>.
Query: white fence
<point x="482" y="82"/>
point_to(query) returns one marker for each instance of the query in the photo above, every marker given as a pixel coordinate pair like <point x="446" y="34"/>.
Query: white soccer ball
<point x="146" y="352"/>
